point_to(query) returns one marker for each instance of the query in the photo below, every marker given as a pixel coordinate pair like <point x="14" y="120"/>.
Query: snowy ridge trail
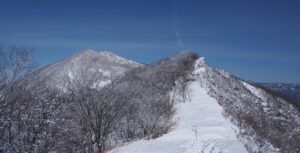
<point x="201" y="128"/>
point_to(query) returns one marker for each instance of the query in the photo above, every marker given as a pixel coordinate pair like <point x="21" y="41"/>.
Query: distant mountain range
<point x="290" y="91"/>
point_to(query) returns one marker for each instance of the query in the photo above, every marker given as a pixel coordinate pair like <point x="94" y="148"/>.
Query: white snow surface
<point x="201" y="127"/>
<point x="257" y="92"/>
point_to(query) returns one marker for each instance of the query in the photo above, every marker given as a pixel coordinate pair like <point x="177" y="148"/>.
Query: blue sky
<point x="255" y="39"/>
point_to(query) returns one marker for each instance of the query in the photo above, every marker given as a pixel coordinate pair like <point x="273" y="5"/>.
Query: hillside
<point x="254" y="119"/>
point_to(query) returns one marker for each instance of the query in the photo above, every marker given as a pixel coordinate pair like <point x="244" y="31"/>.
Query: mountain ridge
<point x="155" y="102"/>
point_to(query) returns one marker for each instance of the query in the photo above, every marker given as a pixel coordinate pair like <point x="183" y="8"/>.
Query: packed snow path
<point x="201" y="129"/>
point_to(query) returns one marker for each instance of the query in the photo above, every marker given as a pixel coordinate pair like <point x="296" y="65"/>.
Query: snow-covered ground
<point x="257" y="92"/>
<point x="201" y="128"/>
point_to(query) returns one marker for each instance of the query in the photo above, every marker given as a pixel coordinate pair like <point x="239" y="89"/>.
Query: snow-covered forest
<point x="97" y="101"/>
<point x="36" y="117"/>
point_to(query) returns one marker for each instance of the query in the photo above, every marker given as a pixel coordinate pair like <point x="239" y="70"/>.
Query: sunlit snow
<point x="201" y="128"/>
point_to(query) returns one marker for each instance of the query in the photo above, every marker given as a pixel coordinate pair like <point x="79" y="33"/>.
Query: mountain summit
<point x="97" y="66"/>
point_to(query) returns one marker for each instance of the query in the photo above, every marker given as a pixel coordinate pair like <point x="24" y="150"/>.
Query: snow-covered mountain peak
<point x="200" y="63"/>
<point x="87" y="53"/>
<point x="200" y="66"/>
<point x="104" y="55"/>
<point x="99" y="66"/>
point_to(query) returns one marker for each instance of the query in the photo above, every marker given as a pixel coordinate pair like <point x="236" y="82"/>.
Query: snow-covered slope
<point x="226" y="114"/>
<point x="267" y="123"/>
<point x="87" y="67"/>
<point x="201" y="127"/>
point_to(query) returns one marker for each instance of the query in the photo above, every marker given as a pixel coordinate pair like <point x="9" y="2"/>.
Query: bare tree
<point x="98" y="113"/>
<point x="20" y="62"/>
<point x="26" y="114"/>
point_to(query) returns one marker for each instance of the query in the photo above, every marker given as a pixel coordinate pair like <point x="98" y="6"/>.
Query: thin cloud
<point x="176" y="31"/>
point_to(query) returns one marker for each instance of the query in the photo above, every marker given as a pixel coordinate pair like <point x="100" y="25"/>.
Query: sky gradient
<point x="254" y="39"/>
